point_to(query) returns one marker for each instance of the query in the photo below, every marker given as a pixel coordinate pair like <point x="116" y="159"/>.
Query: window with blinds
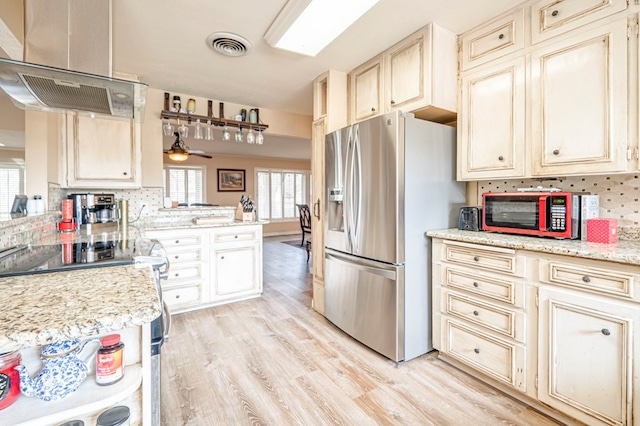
<point x="185" y="185"/>
<point x="278" y="192"/>
<point x="11" y="184"/>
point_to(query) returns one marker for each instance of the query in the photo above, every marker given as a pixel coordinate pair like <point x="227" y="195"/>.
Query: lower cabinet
<point x="211" y="265"/>
<point x="586" y="356"/>
<point x="558" y="332"/>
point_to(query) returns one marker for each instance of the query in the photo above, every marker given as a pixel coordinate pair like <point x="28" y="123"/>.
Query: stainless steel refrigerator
<point x="388" y="181"/>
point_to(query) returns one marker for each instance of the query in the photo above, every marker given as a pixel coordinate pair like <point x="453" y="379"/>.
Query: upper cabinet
<point x="550" y="18"/>
<point x="330" y="99"/>
<point x="416" y="75"/>
<point x="579" y="102"/>
<point x="365" y="90"/>
<point x="101" y="153"/>
<point x="493" y="40"/>
<point x="557" y="75"/>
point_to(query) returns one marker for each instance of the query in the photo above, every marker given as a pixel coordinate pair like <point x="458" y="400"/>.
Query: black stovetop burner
<point x="33" y="259"/>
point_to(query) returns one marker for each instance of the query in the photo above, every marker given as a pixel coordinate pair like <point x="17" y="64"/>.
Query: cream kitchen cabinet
<point x="317" y="217"/>
<point x="552" y="17"/>
<point x="491" y="135"/>
<point x="586" y="356"/>
<point x="417" y="75"/>
<point x="366" y="90"/>
<point x="236" y="269"/>
<point x="186" y="286"/>
<point x="579" y="102"/>
<point x="100" y="152"/>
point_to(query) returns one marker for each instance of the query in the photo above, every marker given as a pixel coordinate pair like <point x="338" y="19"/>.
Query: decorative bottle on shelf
<point x="253" y="115"/>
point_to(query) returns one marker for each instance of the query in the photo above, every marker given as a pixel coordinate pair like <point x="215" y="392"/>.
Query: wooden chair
<point x="305" y="222"/>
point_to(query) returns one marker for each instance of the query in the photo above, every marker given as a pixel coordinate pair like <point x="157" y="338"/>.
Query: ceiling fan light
<point x="178" y="156"/>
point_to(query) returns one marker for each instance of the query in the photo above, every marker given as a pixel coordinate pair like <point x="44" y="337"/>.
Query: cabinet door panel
<point x="586" y="349"/>
<point x="491" y="130"/>
<point x="235" y="271"/>
<point x="366" y="90"/>
<point x="317" y="218"/>
<point x="579" y="114"/>
<point x="405" y="73"/>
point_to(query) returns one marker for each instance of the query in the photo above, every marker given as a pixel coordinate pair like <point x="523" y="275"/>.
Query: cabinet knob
<point x="501" y="158"/>
<point x="476" y="350"/>
<point x="586" y="279"/>
<point x="221" y="257"/>
<point x="393" y="102"/>
<point x="373" y="109"/>
<point x="475" y="284"/>
<point x="476" y="313"/>
<point x="177" y="296"/>
<point x="177" y="241"/>
<point x="235" y="236"/>
<point x="176" y="274"/>
<point x="176" y="256"/>
<point x="501" y="36"/>
<point x="124" y="173"/>
<point x="556" y="151"/>
<point x="554" y="13"/>
<point x="605" y="331"/>
<point x="476" y="258"/>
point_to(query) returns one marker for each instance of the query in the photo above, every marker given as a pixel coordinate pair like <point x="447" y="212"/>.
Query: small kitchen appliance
<point x="549" y="213"/>
<point x="95" y="209"/>
<point x="469" y="219"/>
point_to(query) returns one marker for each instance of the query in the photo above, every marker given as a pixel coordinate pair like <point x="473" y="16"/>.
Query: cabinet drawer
<point x="500" y="290"/>
<point x="185" y="241"/>
<point x="181" y="296"/>
<point x="483" y="257"/>
<point x="597" y="279"/>
<point x="508" y="322"/>
<point x="229" y="237"/>
<point x="497" y="358"/>
<point x="501" y="37"/>
<point x="180" y="256"/>
<point x="552" y="17"/>
<point x="184" y="272"/>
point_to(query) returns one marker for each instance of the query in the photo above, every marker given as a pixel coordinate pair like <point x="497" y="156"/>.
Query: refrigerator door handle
<point x="348" y="191"/>
<point x="363" y="265"/>
<point x="357" y="172"/>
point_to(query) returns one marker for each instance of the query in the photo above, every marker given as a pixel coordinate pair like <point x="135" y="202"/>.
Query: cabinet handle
<point x="476" y="350"/>
<point x="393" y="102"/>
<point x="125" y="173"/>
<point x="605" y="332"/>
<point x="177" y="296"/>
<point x="176" y="256"/>
<point x="501" y="36"/>
<point x="235" y="236"/>
<point x="476" y="313"/>
<point x="501" y="158"/>
<point x="556" y="151"/>
<point x="316" y="209"/>
<point x="586" y="279"/>
<point x="221" y="257"/>
<point x="475" y="284"/>
<point x="176" y="274"/>
<point x="177" y="241"/>
<point x="476" y="258"/>
<point x="373" y="109"/>
<point x="554" y="13"/>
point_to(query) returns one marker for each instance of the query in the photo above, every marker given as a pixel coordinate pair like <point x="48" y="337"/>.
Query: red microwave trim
<point x="542" y="221"/>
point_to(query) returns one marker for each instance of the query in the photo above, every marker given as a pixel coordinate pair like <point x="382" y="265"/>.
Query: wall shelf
<point x="191" y="118"/>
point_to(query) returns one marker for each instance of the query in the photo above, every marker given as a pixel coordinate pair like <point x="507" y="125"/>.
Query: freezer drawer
<point x="365" y="299"/>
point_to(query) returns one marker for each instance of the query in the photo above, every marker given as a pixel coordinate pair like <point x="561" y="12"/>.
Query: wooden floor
<point x="275" y="361"/>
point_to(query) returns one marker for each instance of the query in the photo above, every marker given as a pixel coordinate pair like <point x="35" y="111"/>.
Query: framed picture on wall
<point x="231" y="180"/>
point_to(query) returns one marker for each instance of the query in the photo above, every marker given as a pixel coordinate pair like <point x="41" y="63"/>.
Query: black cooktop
<point x="34" y="258"/>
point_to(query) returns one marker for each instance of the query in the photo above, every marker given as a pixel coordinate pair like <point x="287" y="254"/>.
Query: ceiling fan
<point x="179" y="151"/>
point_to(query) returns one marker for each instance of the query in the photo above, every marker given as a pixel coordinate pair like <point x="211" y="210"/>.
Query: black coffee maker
<point x="89" y="209"/>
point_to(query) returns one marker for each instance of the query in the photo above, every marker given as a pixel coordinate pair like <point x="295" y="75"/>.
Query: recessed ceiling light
<point x="308" y="26"/>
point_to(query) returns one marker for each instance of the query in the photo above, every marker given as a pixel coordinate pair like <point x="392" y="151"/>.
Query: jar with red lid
<point x="9" y="378"/>
<point x="110" y="360"/>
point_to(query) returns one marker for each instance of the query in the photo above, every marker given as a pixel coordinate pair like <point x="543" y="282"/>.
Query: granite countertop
<point x="190" y="224"/>
<point x="40" y="309"/>
<point x="627" y="252"/>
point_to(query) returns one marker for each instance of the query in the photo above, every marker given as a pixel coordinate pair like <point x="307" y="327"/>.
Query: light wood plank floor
<point x="275" y="361"/>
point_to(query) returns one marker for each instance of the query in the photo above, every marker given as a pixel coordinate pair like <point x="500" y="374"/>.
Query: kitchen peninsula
<point x="43" y="308"/>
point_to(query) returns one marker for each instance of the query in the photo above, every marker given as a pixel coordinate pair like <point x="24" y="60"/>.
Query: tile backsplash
<point x="619" y="195"/>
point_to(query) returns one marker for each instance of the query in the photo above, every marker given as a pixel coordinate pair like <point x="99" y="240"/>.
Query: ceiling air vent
<point x="229" y="44"/>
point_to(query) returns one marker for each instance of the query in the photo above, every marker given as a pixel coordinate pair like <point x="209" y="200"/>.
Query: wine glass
<point x="259" y="138"/>
<point x="225" y="133"/>
<point x="167" y="128"/>
<point x="209" y="131"/>
<point x="182" y="129"/>
<point x="251" y="137"/>
<point x="197" y="132"/>
<point x="239" y="134"/>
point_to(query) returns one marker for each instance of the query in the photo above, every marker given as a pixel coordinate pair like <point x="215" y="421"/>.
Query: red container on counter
<point x="9" y="378"/>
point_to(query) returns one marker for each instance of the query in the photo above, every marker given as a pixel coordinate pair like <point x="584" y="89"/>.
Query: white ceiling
<point x="163" y="42"/>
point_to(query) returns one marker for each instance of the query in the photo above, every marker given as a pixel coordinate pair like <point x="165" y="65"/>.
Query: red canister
<point x="110" y="360"/>
<point x="9" y="378"/>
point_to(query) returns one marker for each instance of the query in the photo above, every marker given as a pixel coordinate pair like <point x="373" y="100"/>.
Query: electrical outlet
<point x="144" y="207"/>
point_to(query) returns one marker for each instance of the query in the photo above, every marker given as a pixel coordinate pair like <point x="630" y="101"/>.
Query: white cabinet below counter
<point x="211" y="265"/>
